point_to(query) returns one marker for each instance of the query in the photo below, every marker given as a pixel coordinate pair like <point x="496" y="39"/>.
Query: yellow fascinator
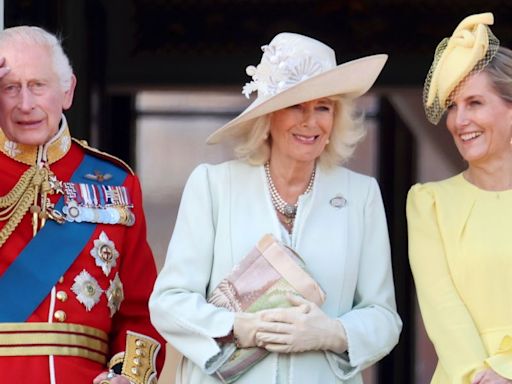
<point x="470" y="48"/>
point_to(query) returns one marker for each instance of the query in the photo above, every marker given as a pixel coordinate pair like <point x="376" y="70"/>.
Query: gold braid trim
<point x="20" y="199"/>
<point x="61" y="339"/>
<point x="19" y="189"/>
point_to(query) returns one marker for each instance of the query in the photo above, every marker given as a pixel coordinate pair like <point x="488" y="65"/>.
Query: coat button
<point x="62" y="296"/>
<point x="60" y="316"/>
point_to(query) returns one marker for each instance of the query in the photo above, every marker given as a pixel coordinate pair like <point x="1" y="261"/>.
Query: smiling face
<point x="31" y="95"/>
<point x="299" y="133"/>
<point x="480" y="121"/>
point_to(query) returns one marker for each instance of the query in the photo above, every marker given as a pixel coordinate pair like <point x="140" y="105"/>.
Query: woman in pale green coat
<point x="288" y="182"/>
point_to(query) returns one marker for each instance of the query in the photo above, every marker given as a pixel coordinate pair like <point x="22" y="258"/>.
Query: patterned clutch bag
<point x="261" y="281"/>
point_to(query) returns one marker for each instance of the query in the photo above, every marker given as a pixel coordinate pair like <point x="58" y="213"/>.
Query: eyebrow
<point x="468" y="97"/>
<point x="473" y="96"/>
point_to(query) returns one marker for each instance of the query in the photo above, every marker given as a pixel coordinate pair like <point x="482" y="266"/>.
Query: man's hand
<point x="106" y="377"/>
<point x="4" y="70"/>
<point x="303" y="327"/>
<point x="488" y="376"/>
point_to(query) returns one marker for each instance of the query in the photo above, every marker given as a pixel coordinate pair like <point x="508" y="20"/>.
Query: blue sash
<point x="30" y="277"/>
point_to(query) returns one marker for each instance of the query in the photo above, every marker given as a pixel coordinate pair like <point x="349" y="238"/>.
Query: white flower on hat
<point x="280" y="68"/>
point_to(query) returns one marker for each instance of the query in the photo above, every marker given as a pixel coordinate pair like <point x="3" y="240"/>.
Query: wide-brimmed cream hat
<point x="295" y="69"/>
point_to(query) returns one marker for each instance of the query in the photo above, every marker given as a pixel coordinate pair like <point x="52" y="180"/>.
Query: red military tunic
<point x="134" y="268"/>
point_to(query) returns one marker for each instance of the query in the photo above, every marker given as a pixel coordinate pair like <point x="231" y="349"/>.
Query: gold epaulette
<point x="139" y="358"/>
<point x="103" y="155"/>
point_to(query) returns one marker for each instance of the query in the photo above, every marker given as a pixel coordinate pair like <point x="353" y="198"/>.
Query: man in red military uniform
<point x="76" y="270"/>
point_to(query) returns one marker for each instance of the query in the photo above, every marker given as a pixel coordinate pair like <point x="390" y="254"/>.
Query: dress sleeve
<point x="447" y="320"/>
<point x="178" y="307"/>
<point x="373" y="325"/>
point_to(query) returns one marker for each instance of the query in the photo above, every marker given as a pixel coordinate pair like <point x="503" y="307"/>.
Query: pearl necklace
<point x="288" y="210"/>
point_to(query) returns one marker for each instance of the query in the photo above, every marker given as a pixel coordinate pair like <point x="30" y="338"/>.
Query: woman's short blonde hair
<point x="348" y="129"/>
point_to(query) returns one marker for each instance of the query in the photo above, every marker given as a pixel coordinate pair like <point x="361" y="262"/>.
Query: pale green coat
<point x="224" y="211"/>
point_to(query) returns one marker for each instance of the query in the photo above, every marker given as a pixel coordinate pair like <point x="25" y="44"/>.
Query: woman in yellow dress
<point x="460" y="240"/>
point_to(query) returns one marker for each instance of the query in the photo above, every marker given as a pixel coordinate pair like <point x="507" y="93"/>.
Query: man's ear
<point x="68" y="95"/>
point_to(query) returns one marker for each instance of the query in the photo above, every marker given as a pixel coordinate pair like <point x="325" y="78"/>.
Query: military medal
<point x="115" y="295"/>
<point x="87" y="290"/>
<point x="105" y="253"/>
<point x="104" y="204"/>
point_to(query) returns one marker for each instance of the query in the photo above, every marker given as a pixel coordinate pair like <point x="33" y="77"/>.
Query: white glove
<point x="244" y="328"/>
<point x="247" y="324"/>
<point x="287" y="330"/>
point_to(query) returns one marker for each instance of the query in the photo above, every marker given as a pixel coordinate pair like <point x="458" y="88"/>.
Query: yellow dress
<point x="460" y="251"/>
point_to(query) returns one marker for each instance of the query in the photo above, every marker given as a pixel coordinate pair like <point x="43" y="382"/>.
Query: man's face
<point x="31" y="96"/>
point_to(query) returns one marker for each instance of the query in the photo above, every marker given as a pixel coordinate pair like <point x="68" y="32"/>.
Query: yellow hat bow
<point x="466" y="50"/>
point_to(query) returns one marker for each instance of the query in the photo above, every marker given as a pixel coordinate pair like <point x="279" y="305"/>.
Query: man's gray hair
<point x="37" y="35"/>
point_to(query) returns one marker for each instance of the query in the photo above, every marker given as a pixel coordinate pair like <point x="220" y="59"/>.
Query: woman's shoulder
<point x="354" y="186"/>
<point x="443" y="188"/>
<point x="220" y="171"/>
<point x="226" y="166"/>
<point x="350" y="177"/>
<point x="449" y="196"/>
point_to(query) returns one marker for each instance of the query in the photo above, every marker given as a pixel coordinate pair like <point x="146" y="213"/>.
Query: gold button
<point x="136" y="361"/>
<point x="140" y="343"/>
<point x="60" y="316"/>
<point x="139" y="352"/>
<point x="135" y="371"/>
<point x="62" y="296"/>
